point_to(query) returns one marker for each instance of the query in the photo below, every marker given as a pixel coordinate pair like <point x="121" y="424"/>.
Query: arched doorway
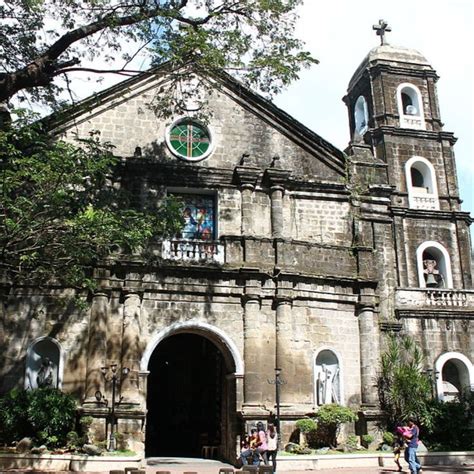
<point x="455" y="375"/>
<point x="189" y="397"/>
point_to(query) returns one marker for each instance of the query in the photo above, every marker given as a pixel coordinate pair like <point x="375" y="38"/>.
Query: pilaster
<point x="97" y="345"/>
<point x="131" y="345"/>
<point x="276" y="179"/>
<point x="247" y="177"/>
<point x="369" y="349"/>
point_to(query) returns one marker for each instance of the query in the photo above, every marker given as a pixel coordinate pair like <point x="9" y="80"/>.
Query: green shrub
<point x="352" y="442"/>
<point x="52" y="412"/>
<point x="305" y="425"/>
<point x="451" y="426"/>
<point x="14" y="423"/>
<point x="121" y="442"/>
<point x="388" y="438"/>
<point x="45" y="414"/>
<point x="404" y="389"/>
<point x="367" y="440"/>
<point x="73" y="440"/>
<point x="86" y="422"/>
<point x="307" y="428"/>
<point x="330" y="418"/>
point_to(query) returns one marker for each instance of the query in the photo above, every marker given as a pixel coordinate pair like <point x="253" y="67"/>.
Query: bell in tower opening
<point x="433" y="277"/>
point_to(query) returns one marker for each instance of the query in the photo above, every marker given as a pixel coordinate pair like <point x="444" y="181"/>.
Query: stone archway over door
<point x="455" y="374"/>
<point x="191" y="394"/>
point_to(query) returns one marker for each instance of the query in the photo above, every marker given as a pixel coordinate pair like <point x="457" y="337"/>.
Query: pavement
<point x="201" y="466"/>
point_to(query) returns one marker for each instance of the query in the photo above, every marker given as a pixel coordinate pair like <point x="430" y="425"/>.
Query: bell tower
<point x="395" y="122"/>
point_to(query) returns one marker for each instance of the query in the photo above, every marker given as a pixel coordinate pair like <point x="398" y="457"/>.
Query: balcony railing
<point x="424" y="202"/>
<point x="439" y="297"/>
<point x="446" y="298"/>
<point x="411" y="121"/>
<point x="193" y="250"/>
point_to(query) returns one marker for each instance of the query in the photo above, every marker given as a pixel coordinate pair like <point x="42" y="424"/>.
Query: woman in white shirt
<point x="272" y="444"/>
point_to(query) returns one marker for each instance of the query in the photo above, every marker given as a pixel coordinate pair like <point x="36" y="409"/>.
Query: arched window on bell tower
<point x="361" y="117"/>
<point x="434" y="266"/>
<point x="410" y="106"/>
<point x="422" y="189"/>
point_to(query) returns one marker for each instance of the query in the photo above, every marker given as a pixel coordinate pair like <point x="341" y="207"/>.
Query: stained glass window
<point x="199" y="217"/>
<point x="189" y="139"/>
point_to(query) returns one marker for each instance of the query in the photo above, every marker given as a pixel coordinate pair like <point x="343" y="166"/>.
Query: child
<point x="399" y="444"/>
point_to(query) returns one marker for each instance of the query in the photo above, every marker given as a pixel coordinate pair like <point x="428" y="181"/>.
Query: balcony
<point x="193" y="251"/>
<point x="434" y="302"/>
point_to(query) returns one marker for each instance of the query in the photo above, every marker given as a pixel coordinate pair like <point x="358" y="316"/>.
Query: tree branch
<point x="43" y="69"/>
<point x="123" y="72"/>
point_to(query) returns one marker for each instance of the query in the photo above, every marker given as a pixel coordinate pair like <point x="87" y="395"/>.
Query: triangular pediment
<point x="243" y="122"/>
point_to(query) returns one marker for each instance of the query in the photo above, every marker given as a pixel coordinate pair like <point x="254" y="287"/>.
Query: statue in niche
<point x="45" y="376"/>
<point x="433" y="277"/>
<point x="328" y="384"/>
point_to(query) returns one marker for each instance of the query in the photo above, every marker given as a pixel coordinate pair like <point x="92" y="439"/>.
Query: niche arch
<point x="431" y="250"/>
<point x="421" y="183"/>
<point x="410" y="106"/>
<point x="328" y="377"/>
<point x="44" y="363"/>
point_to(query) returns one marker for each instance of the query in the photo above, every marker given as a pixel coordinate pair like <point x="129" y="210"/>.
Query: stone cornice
<point x="431" y="214"/>
<point x="435" y="313"/>
<point x="414" y="70"/>
<point x="247" y="175"/>
<point x="412" y="133"/>
<point x="276" y="177"/>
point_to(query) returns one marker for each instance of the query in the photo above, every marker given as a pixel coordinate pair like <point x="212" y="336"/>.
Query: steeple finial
<point x="381" y="29"/>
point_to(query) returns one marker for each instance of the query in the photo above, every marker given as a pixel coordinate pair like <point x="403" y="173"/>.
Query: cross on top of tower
<point x="381" y="29"/>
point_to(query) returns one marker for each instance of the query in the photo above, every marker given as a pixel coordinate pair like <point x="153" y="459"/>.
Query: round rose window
<point x="189" y="140"/>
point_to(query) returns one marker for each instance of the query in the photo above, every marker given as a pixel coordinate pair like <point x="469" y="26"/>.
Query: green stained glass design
<point x="190" y="139"/>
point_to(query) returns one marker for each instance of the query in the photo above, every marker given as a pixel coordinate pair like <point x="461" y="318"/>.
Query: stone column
<point x="258" y="351"/>
<point x="276" y="180"/>
<point x="284" y="360"/>
<point x="131" y="346"/>
<point x="369" y="351"/>
<point x="277" y="211"/>
<point x="97" y="345"/>
<point x="247" y="209"/>
<point x="252" y="381"/>
<point x="143" y="387"/>
<point x="246" y="176"/>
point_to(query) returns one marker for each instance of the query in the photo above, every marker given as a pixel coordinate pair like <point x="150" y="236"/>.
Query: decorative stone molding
<point x="276" y="177"/>
<point x="390" y="326"/>
<point x="247" y="175"/>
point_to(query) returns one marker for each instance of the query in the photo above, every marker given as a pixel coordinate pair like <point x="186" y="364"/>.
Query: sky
<point x="339" y="33"/>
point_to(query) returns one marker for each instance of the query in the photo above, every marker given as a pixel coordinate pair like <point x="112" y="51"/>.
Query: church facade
<point x="294" y="256"/>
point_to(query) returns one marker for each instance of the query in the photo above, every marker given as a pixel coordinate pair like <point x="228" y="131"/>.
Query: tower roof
<point x="396" y="56"/>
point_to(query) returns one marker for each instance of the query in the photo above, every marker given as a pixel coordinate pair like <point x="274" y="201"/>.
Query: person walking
<point x="412" y="437"/>
<point x="272" y="445"/>
<point x="262" y="442"/>
<point x="399" y="445"/>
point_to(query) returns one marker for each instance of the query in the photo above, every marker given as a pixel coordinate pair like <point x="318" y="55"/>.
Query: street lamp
<point x="110" y="373"/>
<point x="433" y="376"/>
<point x="277" y="382"/>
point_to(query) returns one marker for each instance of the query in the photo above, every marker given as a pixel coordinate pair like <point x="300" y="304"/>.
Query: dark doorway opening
<point x="184" y="399"/>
